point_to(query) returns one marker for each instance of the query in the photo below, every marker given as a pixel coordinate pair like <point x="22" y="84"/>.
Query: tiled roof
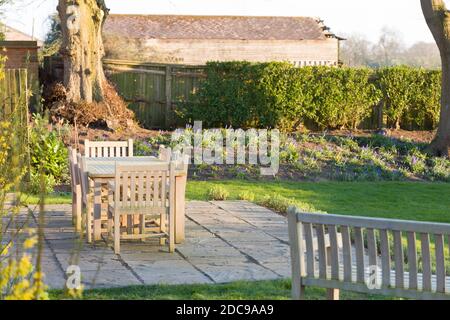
<point x="12" y="34"/>
<point x="215" y="27"/>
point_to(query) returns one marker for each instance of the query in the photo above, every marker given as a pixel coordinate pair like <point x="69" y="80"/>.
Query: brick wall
<point x="21" y="55"/>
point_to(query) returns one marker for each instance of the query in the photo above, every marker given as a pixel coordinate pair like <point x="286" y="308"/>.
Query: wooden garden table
<point x="102" y="170"/>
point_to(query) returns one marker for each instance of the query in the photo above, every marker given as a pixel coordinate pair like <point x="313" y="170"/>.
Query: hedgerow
<point x="269" y="95"/>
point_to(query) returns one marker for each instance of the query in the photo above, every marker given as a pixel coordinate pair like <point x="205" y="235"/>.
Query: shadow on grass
<point x="260" y="290"/>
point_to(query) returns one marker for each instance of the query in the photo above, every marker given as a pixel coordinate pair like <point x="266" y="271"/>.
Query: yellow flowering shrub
<point x="18" y="278"/>
<point x="20" y="275"/>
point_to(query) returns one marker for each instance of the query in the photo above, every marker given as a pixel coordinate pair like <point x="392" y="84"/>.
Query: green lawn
<point x="262" y="290"/>
<point x="399" y="200"/>
<point x="50" y="199"/>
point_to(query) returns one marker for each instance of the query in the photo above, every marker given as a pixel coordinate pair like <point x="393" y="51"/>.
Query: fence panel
<point x="156" y="92"/>
<point x="14" y="94"/>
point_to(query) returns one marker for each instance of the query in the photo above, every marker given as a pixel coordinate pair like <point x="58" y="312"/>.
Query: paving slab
<point x="225" y="241"/>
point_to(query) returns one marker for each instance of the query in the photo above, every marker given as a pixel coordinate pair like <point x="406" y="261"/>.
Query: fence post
<point x="380" y="116"/>
<point x="168" y="117"/>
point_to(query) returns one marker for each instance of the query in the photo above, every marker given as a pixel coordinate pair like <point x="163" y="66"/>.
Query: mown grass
<point x="260" y="290"/>
<point x="62" y="198"/>
<point x="419" y="201"/>
<point x="397" y="200"/>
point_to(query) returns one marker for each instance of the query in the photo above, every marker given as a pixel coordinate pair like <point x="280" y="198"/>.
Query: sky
<point x="344" y="17"/>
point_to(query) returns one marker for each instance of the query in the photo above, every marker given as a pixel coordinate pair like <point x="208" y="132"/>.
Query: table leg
<point x="97" y="211"/>
<point x="180" y="203"/>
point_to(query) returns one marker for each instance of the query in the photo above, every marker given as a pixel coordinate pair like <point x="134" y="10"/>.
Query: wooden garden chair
<point x="146" y="192"/>
<point x="165" y="154"/>
<point x="86" y="199"/>
<point x="108" y="149"/>
<point x="76" y="189"/>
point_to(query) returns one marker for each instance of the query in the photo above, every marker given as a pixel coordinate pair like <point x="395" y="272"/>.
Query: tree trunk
<point x="438" y="20"/>
<point x="82" y="49"/>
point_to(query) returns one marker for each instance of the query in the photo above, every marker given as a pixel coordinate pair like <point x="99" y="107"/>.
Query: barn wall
<point x="21" y="55"/>
<point x="198" y="52"/>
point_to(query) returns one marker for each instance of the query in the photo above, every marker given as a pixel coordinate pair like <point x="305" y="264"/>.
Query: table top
<point x="105" y="167"/>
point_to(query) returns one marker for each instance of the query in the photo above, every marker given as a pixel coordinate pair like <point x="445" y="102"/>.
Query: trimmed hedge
<point x="268" y="95"/>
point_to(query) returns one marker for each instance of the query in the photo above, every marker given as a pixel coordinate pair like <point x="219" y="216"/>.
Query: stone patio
<point x="225" y="241"/>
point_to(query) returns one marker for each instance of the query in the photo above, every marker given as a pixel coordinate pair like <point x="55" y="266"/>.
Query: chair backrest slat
<point x="108" y="149"/>
<point x="141" y="191"/>
<point x="132" y="189"/>
<point x="163" y="187"/>
<point x="155" y="189"/>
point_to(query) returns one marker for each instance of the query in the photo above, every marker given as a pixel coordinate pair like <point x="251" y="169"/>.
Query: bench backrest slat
<point x="349" y="250"/>
<point x="372" y="247"/>
<point x="385" y="258"/>
<point x="399" y="258"/>
<point x="320" y="229"/>
<point x="334" y="253"/>
<point x="359" y="248"/>
<point x="347" y="253"/>
<point x="426" y="261"/>
<point x="412" y="260"/>
<point x="310" y="265"/>
<point x="440" y="262"/>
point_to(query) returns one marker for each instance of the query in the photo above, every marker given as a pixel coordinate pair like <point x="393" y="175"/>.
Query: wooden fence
<point x="14" y="102"/>
<point x="156" y="92"/>
<point x="14" y="95"/>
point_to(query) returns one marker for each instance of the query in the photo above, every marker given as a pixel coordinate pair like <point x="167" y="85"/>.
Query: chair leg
<point x="333" y="294"/>
<point x="110" y="215"/>
<point x="116" y="233"/>
<point x="142" y="225"/>
<point x="74" y="207"/>
<point x="171" y="233"/>
<point x="162" y="227"/>
<point x="89" y="221"/>
<point x="78" y="210"/>
<point x="110" y="224"/>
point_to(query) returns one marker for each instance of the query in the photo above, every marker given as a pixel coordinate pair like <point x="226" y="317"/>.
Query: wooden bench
<point x="368" y="255"/>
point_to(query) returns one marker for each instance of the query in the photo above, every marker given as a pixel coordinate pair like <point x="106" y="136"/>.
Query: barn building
<point x="21" y="51"/>
<point x="195" y="40"/>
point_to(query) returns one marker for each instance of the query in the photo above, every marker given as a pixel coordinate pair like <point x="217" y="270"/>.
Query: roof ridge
<point x="167" y="26"/>
<point x="207" y="16"/>
<point x="6" y="27"/>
